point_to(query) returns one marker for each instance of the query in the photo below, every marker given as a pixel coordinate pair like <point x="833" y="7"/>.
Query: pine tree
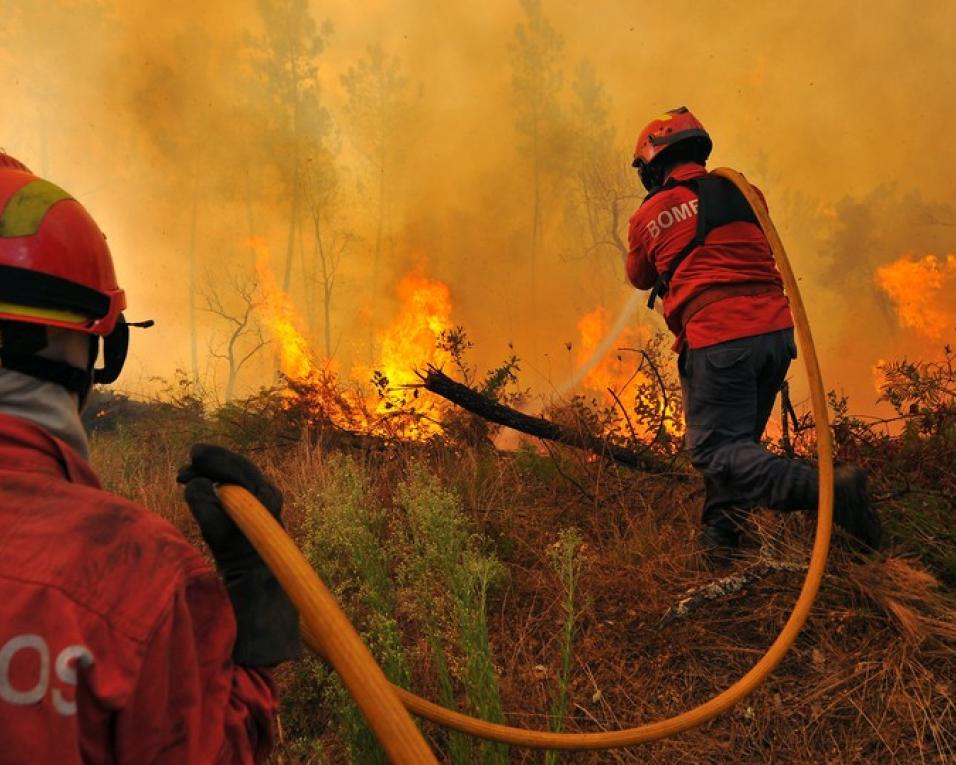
<point x="536" y="82"/>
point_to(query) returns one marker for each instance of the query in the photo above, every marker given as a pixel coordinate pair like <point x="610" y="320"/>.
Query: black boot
<point x="720" y="536"/>
<point x="852" y="510"/>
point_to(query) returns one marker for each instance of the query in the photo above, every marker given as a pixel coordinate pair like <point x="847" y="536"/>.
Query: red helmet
<point x="7" y="161"/>
<point x="670" y="128"/>
<point x="55" y="271"/>
<point x="55" y="266"/>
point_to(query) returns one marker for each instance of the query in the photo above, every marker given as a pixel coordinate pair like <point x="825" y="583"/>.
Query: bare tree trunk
<point x="380" y="226"/>
<point x="535" y="235"/>
<point x="327" y="304"/>
<point x="308" y="286"/>
<point x="294" y="214"/>
<point x="231" y="381"/>
<point x="327" y="284"/>
<point x="290" y="251"/>
<point x="379" y="242"/>
<point x="293" y="220"/>
<point x="193" y="331"/>
<point x="327" y="262"/>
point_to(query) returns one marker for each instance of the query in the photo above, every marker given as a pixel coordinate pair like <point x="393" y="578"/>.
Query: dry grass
<point x="872" y="678"/>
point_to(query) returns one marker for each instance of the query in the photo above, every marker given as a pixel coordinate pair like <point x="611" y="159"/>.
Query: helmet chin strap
<point x="20" y="345"/>
<point x="72" y="378"/>
<point x="651" y="175"/>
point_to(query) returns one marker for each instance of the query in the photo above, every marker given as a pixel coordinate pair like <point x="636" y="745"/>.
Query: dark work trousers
<point x="729" y="391"/>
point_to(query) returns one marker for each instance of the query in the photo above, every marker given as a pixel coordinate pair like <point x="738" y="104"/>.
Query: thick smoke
<point x="168" y="120"/>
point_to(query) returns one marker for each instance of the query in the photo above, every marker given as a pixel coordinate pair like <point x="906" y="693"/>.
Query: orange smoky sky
<point x="161" y="118"/>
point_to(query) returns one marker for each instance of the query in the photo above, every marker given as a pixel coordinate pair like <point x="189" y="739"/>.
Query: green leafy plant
<point x="565" y="559"/>
<point x="451" y="574"/>
<point x="345" y="541"/>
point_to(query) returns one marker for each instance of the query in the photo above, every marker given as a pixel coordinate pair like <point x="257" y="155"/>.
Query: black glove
<point x="267" y="624"/>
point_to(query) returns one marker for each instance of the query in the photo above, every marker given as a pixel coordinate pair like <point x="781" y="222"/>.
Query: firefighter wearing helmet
<point x="696" y="245"/>
<point x="118" y="642"/>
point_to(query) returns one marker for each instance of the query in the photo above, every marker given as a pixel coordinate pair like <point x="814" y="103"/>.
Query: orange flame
<point x="879" y="374"/>
<point x="280" y="318"/>
<point x="408" y="343"/>
<point x="922" y="290"/>
<point x="615" y="369"/>
<point x="410" y="340"/>
<point x="618" y="370"/>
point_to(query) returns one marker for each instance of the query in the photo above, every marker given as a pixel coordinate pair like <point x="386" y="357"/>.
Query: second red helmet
<point x="665" y="131"/>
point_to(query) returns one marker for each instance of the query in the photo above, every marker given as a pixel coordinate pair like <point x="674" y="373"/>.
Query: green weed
<point x="566" y="561"/>
<point x="451" y="575"/>
<point x="346" y="543"/>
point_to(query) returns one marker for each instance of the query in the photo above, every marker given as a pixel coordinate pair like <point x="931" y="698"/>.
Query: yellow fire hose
<point x="327" y="630"/>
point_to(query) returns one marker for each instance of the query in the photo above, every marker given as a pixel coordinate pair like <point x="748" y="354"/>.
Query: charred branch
<point x="437" y="382"/>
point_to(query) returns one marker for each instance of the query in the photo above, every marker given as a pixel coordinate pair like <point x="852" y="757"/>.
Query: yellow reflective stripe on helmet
<point x="53" y="314"/>
<point x="26" y="209"/>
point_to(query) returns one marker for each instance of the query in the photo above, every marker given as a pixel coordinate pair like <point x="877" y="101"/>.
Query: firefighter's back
<point x="86" y="579"/>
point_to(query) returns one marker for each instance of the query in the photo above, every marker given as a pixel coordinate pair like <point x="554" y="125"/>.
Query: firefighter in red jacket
<point x="695" y="244"/>
<point x="118" y="643"/>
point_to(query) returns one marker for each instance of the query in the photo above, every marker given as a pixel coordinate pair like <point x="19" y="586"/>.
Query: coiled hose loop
<point x="327" y="630"/>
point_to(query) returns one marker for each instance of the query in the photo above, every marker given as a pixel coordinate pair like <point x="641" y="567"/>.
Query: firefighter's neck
<point x="47" y="404"/>
<point x="672" y="168"/>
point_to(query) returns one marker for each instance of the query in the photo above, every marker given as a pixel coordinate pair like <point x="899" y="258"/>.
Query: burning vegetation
<point x="923" y="290"/>
<point x="412" y="339"/>
<point x="389" y="399"/>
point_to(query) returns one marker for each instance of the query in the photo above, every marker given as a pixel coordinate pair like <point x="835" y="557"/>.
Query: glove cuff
<point x="267" y="624"/>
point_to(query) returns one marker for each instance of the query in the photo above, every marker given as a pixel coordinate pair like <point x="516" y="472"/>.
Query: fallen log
<point x="437" y="382"/>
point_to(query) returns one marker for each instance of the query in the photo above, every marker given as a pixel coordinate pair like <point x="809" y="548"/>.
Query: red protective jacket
<point x="734" y="253"/>
<point x="115" y="635"/>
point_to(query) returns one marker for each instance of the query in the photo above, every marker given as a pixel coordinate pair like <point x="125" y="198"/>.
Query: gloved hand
<point x="209" y="464"/>
<point x="267" y="624"/>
